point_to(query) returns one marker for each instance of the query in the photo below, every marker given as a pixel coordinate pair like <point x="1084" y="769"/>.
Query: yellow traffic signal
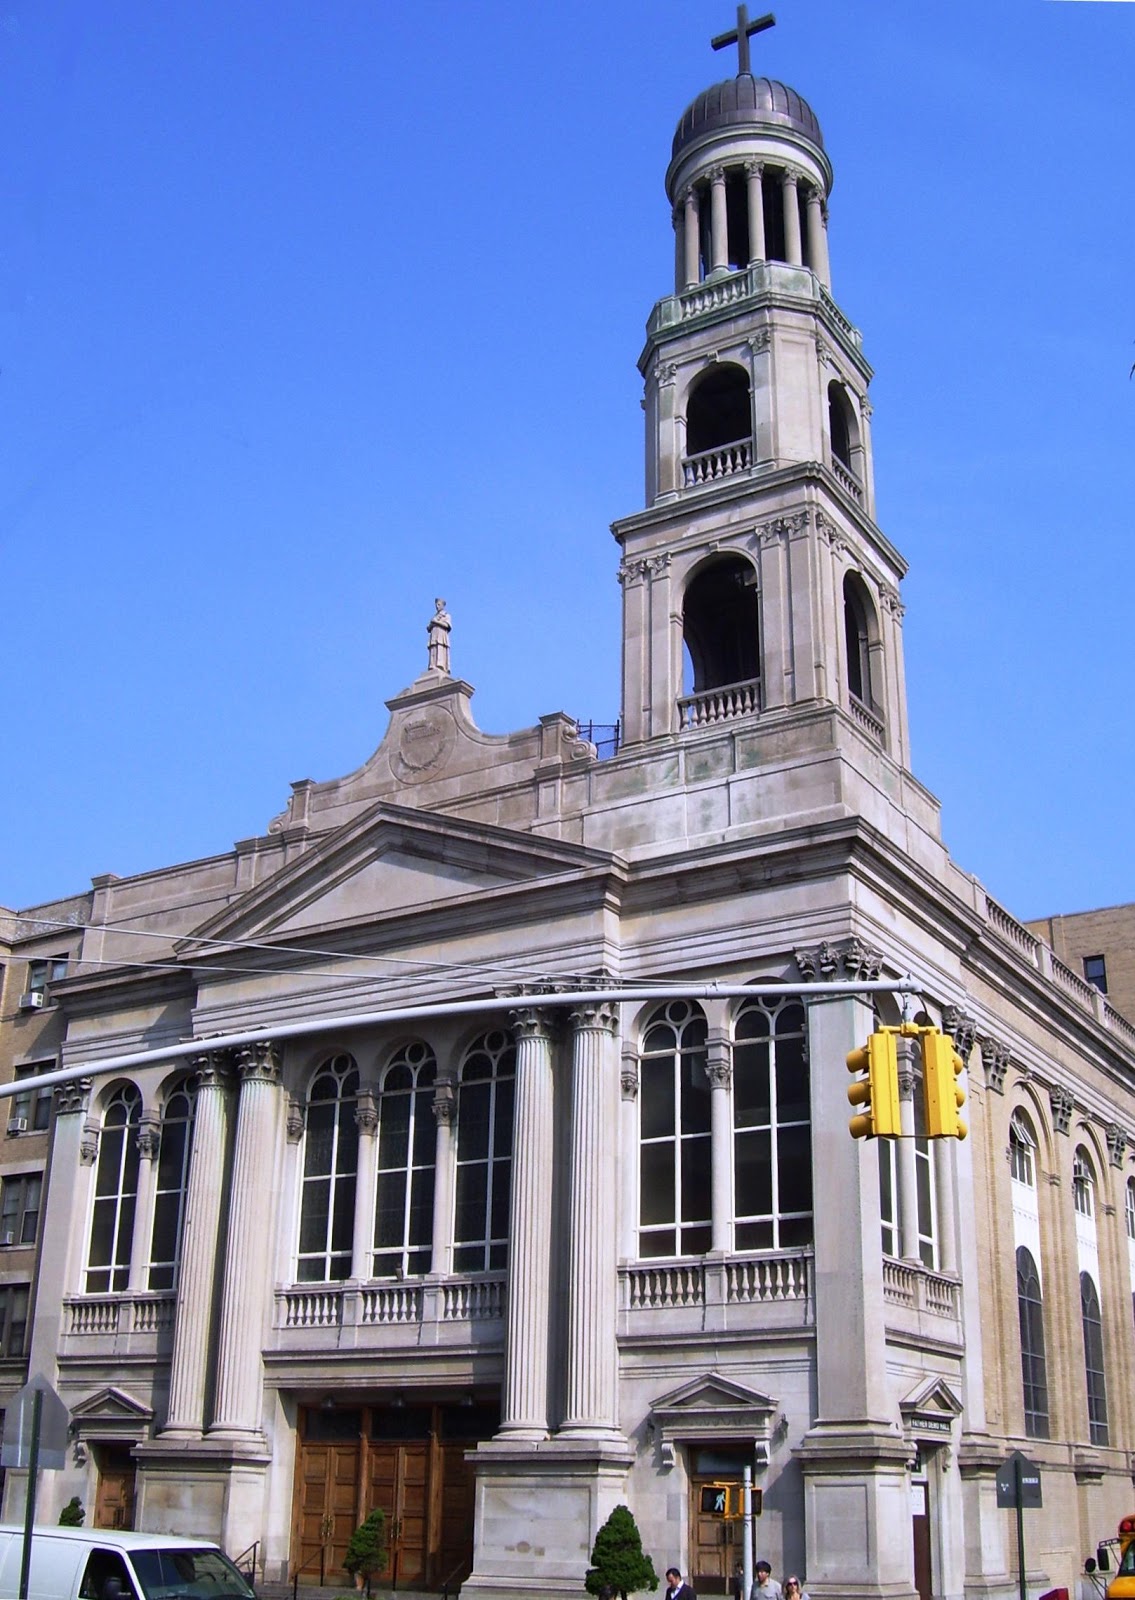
<point x="878" y="1092"/>
<point x="941" y="1066"/>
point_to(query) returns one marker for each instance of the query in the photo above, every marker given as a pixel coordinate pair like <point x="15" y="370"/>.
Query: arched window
<point x="1092" y="1324"/>
<point x="116" y="1193"/>
<point x="674" y="1134"/>
<point x="858" y="628"/>
<point x="772" y="1139"/>
<point x="484" y="1154"/>
<point x="1022" y="1147"/>
<point x="404" y="1209"/>
<point x="1034" y="1372"/>
<point x="330" y="1167"/>
<point x="1083" y="1183"/>
<point x="1129" y="1208"/>
<point x="172" y="1183"/>
<point x="719" y="426"/>
<point x="843" y="427"/>
<point x="720" y="630"/>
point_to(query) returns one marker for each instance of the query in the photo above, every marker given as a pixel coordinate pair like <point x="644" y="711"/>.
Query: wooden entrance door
<point x="920" y="1525"/>
<point x="400" y="1484"/>
<point x="715" y="1540"/>
<point x="114" y="1496"/>
<point x="328" y="1510"/>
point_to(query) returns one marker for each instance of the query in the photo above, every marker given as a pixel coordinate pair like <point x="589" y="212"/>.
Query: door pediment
<point x="712" y="1407"/>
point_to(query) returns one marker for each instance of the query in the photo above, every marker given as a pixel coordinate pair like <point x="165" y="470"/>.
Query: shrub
<point x="72" y="1514"/>
<point x="366" y="1551"/>
<point x="617" y="1557"/>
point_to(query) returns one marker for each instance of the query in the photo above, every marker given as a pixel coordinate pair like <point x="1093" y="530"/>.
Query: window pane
<point x="752" y="1101"/>
<point x="794" y="1168"/>
<point x="752" y="1156"/>
<point x="473" y="1121"/>
<point x="657" y="1184"/>
<point x="696" y="1180"/>
<point x="470" y="1208"/>
<point x="695" y="1094"/>
<point x="394" y="1130"/>
<point x="656" y="1097"/>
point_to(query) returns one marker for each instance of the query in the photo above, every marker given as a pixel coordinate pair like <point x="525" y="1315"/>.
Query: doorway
<point x="716" y="1531"/>
<point x="920" y="1528"/>
<point x="114" y="1493"/>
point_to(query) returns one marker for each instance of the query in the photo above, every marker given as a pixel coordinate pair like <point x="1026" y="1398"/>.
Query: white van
<point x="102" y="1564"/>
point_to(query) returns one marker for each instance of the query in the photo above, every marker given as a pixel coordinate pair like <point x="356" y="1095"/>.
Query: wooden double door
<point x="407" y="1460"/>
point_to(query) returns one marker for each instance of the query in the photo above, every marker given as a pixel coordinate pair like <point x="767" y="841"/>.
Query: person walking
<point x="675" y="1588"/>
<point x="765" y="1586"/>
<point x="793" y="1589"/>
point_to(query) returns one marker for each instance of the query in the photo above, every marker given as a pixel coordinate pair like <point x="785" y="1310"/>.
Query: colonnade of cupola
<point x="735" y="215"/>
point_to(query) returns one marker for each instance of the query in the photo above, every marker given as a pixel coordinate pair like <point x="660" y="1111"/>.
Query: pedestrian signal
<point x="941" y="1067"/>
<point x="878" y="1092"/>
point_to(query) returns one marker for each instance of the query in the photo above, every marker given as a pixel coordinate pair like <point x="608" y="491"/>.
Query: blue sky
<point x="311" y="311"/>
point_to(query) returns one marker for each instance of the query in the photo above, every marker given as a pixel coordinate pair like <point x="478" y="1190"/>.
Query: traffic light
<point x="941" y="1065"/>
<point x="878" y="1092"/>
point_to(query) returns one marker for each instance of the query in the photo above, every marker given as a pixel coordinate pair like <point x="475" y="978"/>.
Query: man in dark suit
<point x="675" y="1588"/>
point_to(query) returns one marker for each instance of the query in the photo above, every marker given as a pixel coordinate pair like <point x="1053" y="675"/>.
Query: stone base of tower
<point x="539" y="1507"/>
<point x="215" y="1490"/>
<point x="857" y="1512"/>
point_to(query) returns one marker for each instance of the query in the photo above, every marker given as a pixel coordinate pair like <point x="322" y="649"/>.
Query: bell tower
<point x="757" y="587"/>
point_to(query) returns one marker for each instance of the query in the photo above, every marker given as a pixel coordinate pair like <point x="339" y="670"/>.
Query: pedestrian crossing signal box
<point x="728" y="1500"/>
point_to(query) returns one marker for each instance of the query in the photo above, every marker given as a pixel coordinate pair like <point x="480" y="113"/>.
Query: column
<point x="591" y="1403"/>
<point x="719" y="233"/>
<point x="754" y="173"/>
<point x="362" y="1239"/>
<point x="524" y="1403"/>
<point x="945" y="1187"/>
<point x="238" y="1405"/>
<point x="677" y="215"/>
<point x="817" y="237"/>
<point x="792" y="248"/>
<point x="445" y="1115"/>
<point x="628" y="1152"/>
<point x="197" y="1268"/>
<point x="719" y="1068"/>
<point x="149" y="1137"/>
<point x="907" y="1172"/>
<point x="691" y="240"/>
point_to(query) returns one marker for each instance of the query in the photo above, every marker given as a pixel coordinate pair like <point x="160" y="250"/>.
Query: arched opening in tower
<point x="861" y="638"/>
<point x="718" y="412"/>
<point x="843" y="428"/>
<point x="721" y="626"/>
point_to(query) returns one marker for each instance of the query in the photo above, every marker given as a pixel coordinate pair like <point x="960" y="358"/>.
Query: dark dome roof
<point x="739" y="102"/>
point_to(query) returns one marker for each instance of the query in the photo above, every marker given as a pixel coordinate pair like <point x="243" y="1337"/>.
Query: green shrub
<point x="366" y="1551"/>
<point x="72" y="1514"/>
<point x="617" y="1557"/>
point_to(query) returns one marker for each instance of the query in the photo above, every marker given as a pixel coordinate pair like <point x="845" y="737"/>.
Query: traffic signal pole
<point x="908" y="1177"/>
<point x="747" y="1533"/>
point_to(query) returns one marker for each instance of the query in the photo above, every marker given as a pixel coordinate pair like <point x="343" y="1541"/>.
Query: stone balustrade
<point x="109" y="1316"/>
<point x="867" y="719"/>
<point x="916" y="1288"/>
<point x="720" y="705"/>
<point x="847" y="480"/>
<point x="725" y="461"/>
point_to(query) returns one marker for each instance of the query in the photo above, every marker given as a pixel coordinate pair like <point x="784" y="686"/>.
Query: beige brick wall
<point x="1109" y="932"/>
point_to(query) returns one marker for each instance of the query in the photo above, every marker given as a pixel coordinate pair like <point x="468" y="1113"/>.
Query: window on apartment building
<point x="1083" y="1182"/>
<point x="1095" y="971"/>
<point x="116" y="1193"/>
<point x="176" y="1139"/>
<point x="330" y="1173"/>
<point x="772" y="1139"/>
<point x="13" y="1318"/>
<point x="31" y="1109"/>
<point x="484" y="1154"/>
<point x="1022" y="1147"/>
<point x="45" y="971"/>
<point x="1034" y="1372"/>
<point x="1129" y="1207"/>
<point x="19" y="1208"/>
<point x="404" y="1198"/>
<point x="674" y="1134"/>
<point x="1092" y="1324"/>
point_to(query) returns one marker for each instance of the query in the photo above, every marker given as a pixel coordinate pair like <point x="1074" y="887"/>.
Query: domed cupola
<point x="746" y="102"/>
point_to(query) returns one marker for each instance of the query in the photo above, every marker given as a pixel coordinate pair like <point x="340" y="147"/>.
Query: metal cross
<point x="740" y="37"/>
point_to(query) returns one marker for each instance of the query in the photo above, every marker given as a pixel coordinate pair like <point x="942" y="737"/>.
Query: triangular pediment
<point x="712" y="1407"/>
<point x="712" y="1392"/>
<point x="932" y="1400"/>
<point x="393" y="859"/>
<point x="113" y="1406"/>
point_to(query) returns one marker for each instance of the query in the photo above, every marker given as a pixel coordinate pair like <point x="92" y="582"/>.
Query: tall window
<point x="858" y="616"/>
<point x="172" y="1184"/>
<point x="13" y="1318"/>
<point x="889" y="1195"/>
<point x="484" y="1154"/>
<point x="330" y="1166"/>
<point x="43" y="972"/>
<point x="19" y="1208"/>
<point x="1083" y="1180"/>
<point x="403" y="1229"/>
<point x="1093" y="1360"/>
<point x="1129" y="1208"/>
<point x="31" y="1108"/>
<point x="116" y="1193"/>
<point x="1095" y="971"/>
<point x="1022" y="1144"/>
<point x="772" y="1140"/>
<point x="674" y="1132"/>
<point x="1034" y="1373"/>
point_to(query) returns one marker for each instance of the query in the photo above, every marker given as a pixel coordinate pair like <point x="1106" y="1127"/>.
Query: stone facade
<point x="474" y="1141"/>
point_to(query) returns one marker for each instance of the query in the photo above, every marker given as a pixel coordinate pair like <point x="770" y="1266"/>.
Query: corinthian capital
<point x="259" y="1062"/>
<point x="841" y="961"/>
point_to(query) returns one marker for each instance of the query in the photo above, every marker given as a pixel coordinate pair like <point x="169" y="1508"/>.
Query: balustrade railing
<point x="846" y="479"/>
<point x="866" y="718"/>
<point x="391" y="1304"/>
<point x="472" y="1299"/>
<point x="748" y="1280"/>
<point x="720" y="705"/>
<point x="89" y="1315"/>
<point x="919" y="1289"/>
<point x="722" y="462"/>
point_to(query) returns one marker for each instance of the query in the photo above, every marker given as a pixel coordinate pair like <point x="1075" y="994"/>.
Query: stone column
<point x="817" y="236"/>
<point x="524" y="1403"/>
<point x="362" y="1239"/>
<point x="197" y="1270"/>
<point x="63" y="1236"/>
<point x="945" y="1185"/>
<point x="149" y="1138"/>
<point x="792" y="247"/>
<point x="445" y="1160"/>
<point x="691" y="238"/>
<point x="754" y="173"/>
<point x="591" y="1403"/>
<point x="628" y="1151"/>
<point x="238" y="1407"/>
<point x="719" y="232"/>
<point x="719" y="1067"/>
<point x="907" y="1170"/>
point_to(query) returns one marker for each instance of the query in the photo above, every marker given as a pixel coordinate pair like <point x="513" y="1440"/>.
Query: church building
<point x="473" y="1142"/>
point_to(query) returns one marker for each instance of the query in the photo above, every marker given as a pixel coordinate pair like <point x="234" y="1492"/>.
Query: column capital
<point x="533" y="1022"/>
<point x="259" y="1062"/>
<point x="594" y="1016"/>
<point x="445" y="1103"/>
<point x="149" y="1138"/>
<point x="717" y="175"/>
<point x="296" y="1119"/>
<point x="754" y="169"/>
<point x="366" y="1114"/>
<point x="789" y="176"/>
<point x="995" y="1060"/>
<point x="840" y="960"/>
<point x="719" y="1059"/>
<point x="213" y="1068"/>
<point x="72" y="1098"/>
<point x="961" y="1027"/>
<point x="89" y="1143"/>
<point x="628" y="1073"/>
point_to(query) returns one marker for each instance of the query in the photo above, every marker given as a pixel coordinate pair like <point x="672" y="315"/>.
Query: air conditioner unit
<point x="17" y="1124"/>
<point x="33" y="1000"/>
<point x="7" y="1238"/>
